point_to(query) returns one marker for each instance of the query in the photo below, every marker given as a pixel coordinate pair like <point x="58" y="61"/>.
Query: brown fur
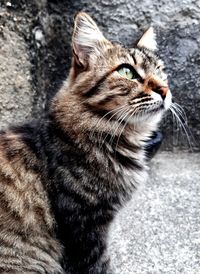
<point x="66" y="162"/>
<point x="26" y="225"/>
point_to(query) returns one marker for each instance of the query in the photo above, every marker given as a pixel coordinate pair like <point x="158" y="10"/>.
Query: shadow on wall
<point x="46" y="28"/>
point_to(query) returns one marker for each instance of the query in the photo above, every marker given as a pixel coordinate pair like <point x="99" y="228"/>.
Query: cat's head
<point x="127" y="82"/>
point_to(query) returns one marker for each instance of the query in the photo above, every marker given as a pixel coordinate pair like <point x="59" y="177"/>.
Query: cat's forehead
<point x="141" y="58"/>
<point x="146" y="60"/>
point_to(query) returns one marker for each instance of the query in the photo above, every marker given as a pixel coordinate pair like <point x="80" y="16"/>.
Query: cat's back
<point x="27" y="244"/>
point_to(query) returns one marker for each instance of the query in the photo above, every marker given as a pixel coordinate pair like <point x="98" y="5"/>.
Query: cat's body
<point x="85" y="187"/>
<point x="62" y="179"/>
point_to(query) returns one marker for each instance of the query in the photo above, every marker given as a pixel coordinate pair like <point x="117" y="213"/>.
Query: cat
<point x="64" y="177"/>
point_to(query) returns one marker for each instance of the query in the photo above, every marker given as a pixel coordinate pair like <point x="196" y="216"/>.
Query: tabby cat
<point x="64" y="177"/>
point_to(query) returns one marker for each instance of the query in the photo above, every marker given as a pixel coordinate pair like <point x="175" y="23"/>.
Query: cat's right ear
<point x="87" y="39"/>
<point x="148" y="40"/>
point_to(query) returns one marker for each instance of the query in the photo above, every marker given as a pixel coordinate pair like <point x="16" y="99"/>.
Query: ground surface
<point x="159" y="231"/>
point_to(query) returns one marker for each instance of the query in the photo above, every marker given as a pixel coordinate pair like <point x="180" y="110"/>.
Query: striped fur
<point x="63" y="178"/>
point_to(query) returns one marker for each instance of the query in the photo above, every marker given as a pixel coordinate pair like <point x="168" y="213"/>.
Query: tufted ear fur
<point x="148" y="40"/>
<point x="87" y="39"/>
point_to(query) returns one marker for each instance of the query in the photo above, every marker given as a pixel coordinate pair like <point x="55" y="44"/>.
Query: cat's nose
<point x="162" y="90"/>
<point x="156" y="85"/>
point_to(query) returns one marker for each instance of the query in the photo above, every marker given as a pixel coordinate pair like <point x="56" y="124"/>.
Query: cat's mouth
<point x="168" y="100"/>
<point x="151" y="113"/>
<point x="157" y="108"/>
<point x="154" y="109"/>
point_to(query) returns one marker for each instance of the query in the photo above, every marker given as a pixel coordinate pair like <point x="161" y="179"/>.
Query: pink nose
<point x="162" y="90"/>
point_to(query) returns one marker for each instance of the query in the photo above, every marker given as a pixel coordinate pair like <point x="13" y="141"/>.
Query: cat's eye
<point x="126" y="72"/>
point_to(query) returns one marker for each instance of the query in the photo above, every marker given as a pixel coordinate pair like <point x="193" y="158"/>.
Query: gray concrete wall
<point x="35" y="40"/>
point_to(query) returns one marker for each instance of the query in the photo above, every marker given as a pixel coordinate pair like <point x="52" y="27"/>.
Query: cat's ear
<point x="87" y="39"/>
<point x="148" y="40"/>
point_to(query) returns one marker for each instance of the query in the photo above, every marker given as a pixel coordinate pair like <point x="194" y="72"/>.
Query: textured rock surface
<point x="159" y="231"/>
<point x="35" y="52"/>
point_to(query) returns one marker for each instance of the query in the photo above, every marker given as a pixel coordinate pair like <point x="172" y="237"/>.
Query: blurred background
<point x="159" y="231"/>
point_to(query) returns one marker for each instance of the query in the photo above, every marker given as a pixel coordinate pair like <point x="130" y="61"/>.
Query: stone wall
<point x="35" y="38"/>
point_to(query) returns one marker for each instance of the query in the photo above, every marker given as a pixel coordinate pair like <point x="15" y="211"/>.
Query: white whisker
<point x="119" y="112"/>
<point x="131" y="115"/>
<point x="120" y="120"/>
<point x="101" y="119"/>
<point x="181" y="119"/>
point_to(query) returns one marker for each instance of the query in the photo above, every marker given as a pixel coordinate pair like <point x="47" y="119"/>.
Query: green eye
<point x="126" y="72"/>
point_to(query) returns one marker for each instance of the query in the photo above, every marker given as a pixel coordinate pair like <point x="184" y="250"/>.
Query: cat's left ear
<point x="87" y="39"/>
<point x="148" y="40"/>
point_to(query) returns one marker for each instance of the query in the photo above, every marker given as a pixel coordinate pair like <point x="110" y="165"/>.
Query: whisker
<point x="184" y="127"/>
<point x="119" y="121"/>
<point x="119" y="112"/>
<point x="101" y="119"/>
<point x="181" y="112"/>
<point x="133" y="113"/>
<point x="180" y="107"/>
